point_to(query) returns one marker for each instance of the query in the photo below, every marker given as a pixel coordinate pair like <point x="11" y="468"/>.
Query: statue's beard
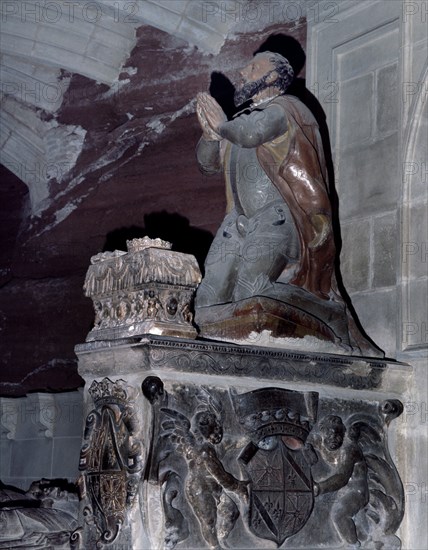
<point x="250" y="89"/>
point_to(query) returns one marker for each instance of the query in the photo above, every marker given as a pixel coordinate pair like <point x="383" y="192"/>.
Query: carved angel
<point x="353" y="462"/>
<point x="339" y="466"/>
<point x="385" y="509"/>
<point x="207" y="482"/>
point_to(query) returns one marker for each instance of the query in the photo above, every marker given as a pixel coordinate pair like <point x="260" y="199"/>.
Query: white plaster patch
<point x="156" y="125"/>
<point x="63" y="145"/>
<point x="64" y="212"/>
<point x="307" y="343"/>
<point x="141" y="146"/>
<point x="131" y="71"/>
<point x="116" y="86"/>
<point x="188" y="108"/>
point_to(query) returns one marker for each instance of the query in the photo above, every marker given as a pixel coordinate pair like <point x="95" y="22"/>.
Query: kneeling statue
<point x="271" y="265"/>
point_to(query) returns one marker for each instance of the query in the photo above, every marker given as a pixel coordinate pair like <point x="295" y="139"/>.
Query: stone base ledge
<point x="220" y="359"/>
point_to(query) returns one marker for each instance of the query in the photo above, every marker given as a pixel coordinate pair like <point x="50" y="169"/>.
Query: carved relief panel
<point x="147" y="290"/>
<point x="247" y="469"/>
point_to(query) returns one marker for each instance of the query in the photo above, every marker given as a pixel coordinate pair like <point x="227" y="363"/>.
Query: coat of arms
<point x="110" y="457"/>
<point x="278" y="422"/>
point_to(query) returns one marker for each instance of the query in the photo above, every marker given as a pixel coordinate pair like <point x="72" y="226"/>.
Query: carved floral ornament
<point x="147" y="261"/>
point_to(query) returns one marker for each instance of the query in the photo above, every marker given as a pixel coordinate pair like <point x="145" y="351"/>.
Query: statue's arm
<point x="208" y="148"/>
<point x="224" y="478"/>
<point x="254" y="129"/>
<point x="342" y="475"/>
<point x="208" y="156"/>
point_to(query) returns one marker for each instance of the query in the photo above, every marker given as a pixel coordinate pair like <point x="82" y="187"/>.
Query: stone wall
<point x="367" y="65"/>
<point x="40" y="437"/>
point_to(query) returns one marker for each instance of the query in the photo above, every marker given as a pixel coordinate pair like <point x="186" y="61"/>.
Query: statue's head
<point x="266" y="70"/>
<point x="332" y="432"/>
<point x="209" y="426"/>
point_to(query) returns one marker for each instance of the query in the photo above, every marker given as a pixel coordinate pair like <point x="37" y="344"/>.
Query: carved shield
<point x="108" y="495"/>
<point x="281" y="492"/>
<point x="113" y="493"/>
<point x="109" y="458"/>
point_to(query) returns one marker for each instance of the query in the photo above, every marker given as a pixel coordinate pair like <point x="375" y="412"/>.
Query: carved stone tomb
<point x="193" y="444"/>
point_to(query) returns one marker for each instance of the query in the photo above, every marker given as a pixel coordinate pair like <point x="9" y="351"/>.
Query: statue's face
<point x="333" y="438"/>
<point x="259" y="67"/>
<point x="210" y="427"/>
<point x="254" y="78"/>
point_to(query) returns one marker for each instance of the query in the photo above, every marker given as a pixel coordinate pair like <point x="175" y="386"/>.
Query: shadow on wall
<point x="169" y="227"/>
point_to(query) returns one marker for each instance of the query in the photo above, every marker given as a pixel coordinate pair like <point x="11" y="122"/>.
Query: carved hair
<point x="207" y="402"/>
<point x="332" y="421"/>
<point x="283" y="68"/>
<point x="204" y="424"/>
<point x="204" y="419"/>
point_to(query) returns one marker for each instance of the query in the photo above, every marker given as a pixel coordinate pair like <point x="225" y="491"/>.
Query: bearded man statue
<point x="271" y="264"/>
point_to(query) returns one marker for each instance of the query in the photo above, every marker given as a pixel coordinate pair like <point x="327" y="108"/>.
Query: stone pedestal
<point x="195" y="444"/>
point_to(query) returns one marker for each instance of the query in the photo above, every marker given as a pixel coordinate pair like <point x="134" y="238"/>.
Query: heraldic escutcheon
<point x="278" y="421"/>
<point x="253" y="476"/>
<point x="110" y="460"/>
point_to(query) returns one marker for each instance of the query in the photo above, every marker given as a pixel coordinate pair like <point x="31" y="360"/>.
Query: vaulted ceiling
<point x="44" y="43"/>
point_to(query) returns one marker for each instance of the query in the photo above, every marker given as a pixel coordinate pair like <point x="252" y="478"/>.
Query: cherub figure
<point x="339" y="466"/>
<point x="206" y="480"/>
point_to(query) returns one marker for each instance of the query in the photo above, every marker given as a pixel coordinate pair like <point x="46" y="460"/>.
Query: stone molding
<point x="222" y="359"/>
